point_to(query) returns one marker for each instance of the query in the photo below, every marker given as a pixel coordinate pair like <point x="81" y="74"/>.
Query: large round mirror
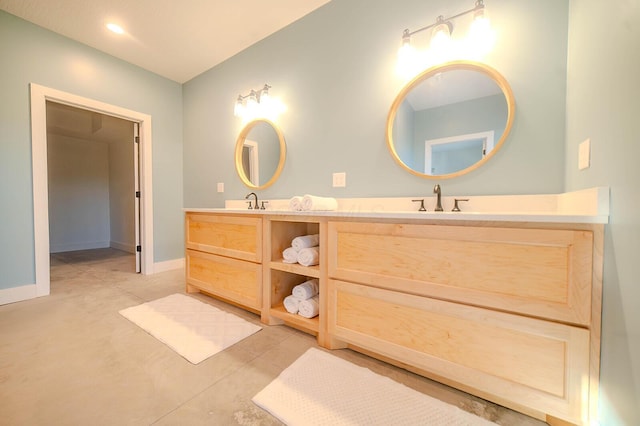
<point x="450" y="119"/>
<point x="260" y="154"/>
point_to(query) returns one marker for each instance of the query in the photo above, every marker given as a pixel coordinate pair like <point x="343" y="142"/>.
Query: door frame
<point x="39" y="96"/>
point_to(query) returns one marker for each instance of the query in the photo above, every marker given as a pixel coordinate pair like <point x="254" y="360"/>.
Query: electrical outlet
<point x="220" y="186"/>
<point x="584" y="154"/>
<point x="339" y="180"/>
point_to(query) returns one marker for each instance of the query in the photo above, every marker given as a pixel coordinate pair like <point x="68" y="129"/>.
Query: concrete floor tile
<point x="71" y="359"/>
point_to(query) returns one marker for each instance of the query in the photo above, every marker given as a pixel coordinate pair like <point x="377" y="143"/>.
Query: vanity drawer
<point x="232" y="236"/>
<point x="510" y="359"/>
<point x="544" y="273"/>
<point x="235" y="280"/>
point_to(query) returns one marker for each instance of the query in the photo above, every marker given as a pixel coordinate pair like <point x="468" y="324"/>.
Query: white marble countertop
<point x="584" y="206"/>
<point x="461" y="216"/>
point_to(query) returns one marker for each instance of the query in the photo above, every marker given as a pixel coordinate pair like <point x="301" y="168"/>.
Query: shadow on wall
<point x="616" y="375"/>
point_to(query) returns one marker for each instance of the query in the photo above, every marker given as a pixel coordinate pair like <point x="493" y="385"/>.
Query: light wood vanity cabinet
<point x="506" y="313"/>
<point x="224" y="257"/>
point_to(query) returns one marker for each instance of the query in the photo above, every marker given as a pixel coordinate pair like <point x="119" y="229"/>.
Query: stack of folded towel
<point x="304" y="299"/>
<point x="303" y="250"/>
<point x="312" y="203"/>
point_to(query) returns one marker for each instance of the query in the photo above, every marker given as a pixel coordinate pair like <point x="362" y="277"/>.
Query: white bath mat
<point x="192" y="328"/>
<point x="322" y="389"/>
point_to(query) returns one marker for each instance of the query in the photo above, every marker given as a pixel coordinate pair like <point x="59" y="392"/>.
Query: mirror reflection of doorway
<point x="92" y="182"/>
<point x="451" y="154"/>
<point x="250" y="162"/>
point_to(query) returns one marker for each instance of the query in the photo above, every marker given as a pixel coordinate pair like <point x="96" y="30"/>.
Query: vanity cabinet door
<point x="510" y="359"/>
<point x="545" y="273"/>
<point x="234" y="280"/>
<point x="231" y="236"/>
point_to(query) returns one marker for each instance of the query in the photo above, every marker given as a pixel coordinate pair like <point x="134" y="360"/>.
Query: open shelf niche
<point x="282" y="277"/>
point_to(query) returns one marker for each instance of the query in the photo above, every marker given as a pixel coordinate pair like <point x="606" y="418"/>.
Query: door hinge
<point x="136" y="139"/>
<point x="139" y="249"/>
<point x="137" y="194"/>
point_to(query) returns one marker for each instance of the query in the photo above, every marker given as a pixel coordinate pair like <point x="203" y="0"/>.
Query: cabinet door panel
<point x="539" y="272"/>
<point x="231" y="279"/>
<point x="510" y="359"/>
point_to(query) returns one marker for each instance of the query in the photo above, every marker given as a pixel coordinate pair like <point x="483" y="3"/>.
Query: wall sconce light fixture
<point x="258" y="104"/>
<point x="442" y="47"/>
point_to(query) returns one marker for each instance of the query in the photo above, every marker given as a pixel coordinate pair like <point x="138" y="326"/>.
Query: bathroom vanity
<point x="503" y="306"/>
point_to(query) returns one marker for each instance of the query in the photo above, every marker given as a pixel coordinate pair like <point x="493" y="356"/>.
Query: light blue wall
<point x="474" y="116"/>
<point x="31" y="54"/>
<point x="335" y="71"/>
<point x="603" y="103"/>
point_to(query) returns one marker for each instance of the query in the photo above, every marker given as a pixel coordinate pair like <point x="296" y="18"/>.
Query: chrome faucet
<point x="256" y="198"/>
<point x="436" y="190"/>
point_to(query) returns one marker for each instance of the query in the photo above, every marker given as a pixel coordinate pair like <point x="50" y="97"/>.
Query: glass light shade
<point x="250" y="109"/>
<point x="238" y="110"/>
<point x="265" y="98"/>
<point x="441" y="38"/>
<point x="481" y="36"/>
<point x="408" y="58"/>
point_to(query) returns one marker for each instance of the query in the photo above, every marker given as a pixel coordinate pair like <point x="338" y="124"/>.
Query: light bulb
<point x="441" y="38"/>
<point x="481" y="36"/>
<point x="115" y="28"/>
<point x="251" y="107"/>
<point x="238" y="110"/>
<point x="265" y="98"/>
<point x="408" y="59"/>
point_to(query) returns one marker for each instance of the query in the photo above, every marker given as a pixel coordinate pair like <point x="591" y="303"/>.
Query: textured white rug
<point x="192" y="328"/>
<point x="322" y="389"/>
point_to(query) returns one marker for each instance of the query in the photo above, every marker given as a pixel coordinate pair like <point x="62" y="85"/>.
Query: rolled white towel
<point x="311" y="202"/>
<point x="306" y="290"/>
<point x="295" y="203"/>
<point x="309" y="256"/>
<point x="290" y="255"/>
<point x="305" y="241"/>
<point x="309" y="308"/>
<point x="291" y="304"/>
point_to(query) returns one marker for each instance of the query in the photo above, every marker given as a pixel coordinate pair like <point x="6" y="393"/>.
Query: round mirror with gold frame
<point x="260" y="154"/>
<point x="450" y="119"/>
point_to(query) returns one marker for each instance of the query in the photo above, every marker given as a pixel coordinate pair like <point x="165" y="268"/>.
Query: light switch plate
<point x="584" y="154"/>
<point x="220" y="186"/>
<point x="339" y="180"/>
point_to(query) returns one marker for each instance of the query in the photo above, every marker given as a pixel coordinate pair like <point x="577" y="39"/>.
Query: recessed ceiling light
<point x="115" y="28"/>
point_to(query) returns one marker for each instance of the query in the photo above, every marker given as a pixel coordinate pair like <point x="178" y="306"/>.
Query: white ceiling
<point x="175" y="39"/>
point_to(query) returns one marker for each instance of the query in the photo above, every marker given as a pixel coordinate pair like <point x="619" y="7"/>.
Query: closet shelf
<point x="310" y="325"/>
<point x="296" y="268"/>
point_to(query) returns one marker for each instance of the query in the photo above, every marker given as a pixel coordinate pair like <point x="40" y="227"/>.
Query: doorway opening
<point x="40" y="96"/>
<point x="92" y="162"/>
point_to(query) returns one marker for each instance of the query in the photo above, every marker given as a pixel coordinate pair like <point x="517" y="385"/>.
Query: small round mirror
<point x="260" y="154"/>
<point x="450" y="119"/>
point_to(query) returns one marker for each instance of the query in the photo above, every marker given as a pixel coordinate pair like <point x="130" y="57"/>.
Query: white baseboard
<point x="128" y="247"/>
<point x="18" y="294"/>
<point x="29" y="291"/>
<point x="90" y="245"/>
<point x="168" y="265"/>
